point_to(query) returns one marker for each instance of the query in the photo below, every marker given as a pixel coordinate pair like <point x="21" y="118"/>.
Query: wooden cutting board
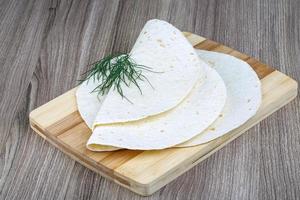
<point x="144" y="172"/>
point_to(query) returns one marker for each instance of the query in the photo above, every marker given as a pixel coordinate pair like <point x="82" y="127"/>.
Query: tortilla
<point x="243" y="95"/>
<point x="198" y="110"/>
<point x="178" y="118"/>
<point x="176" y="66"/>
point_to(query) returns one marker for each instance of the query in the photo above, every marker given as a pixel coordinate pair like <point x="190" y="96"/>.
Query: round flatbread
<point x="199" y="109"/>
<point x="243" y="95"/>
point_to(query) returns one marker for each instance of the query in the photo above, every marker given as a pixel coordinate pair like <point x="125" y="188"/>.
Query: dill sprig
<point x="114" y="71"/>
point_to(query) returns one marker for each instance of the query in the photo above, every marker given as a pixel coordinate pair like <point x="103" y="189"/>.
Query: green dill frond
<point x="115" y="71"/>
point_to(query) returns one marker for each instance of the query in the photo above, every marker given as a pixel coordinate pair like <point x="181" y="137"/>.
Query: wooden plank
<point x="144" y="172"/>
<point x="263" y="164"/>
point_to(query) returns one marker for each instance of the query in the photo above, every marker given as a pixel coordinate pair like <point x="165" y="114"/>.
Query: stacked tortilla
<point x="195" y="96"/>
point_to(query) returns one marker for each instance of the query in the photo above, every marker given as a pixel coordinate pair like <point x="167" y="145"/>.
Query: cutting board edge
<point x="155" y="186"/>
<point x="78" y="158"/>
<point x="141" y="189"/>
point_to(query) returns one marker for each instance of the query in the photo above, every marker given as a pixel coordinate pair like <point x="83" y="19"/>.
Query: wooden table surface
<point x="46" y="45"/>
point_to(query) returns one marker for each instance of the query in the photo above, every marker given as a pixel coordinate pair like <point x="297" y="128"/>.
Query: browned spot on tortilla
<point x="162" y="45"/>
<point x="221" y="115"/>
<point x="212" y="129"/>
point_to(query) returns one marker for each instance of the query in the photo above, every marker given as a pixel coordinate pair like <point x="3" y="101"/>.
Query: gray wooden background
<point x="46" y="45"/>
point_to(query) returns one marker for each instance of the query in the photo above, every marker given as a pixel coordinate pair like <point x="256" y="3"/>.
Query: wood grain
<point x="46" y="45"/>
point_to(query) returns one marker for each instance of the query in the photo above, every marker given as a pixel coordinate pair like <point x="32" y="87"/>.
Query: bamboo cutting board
<point x="144" y="172"/>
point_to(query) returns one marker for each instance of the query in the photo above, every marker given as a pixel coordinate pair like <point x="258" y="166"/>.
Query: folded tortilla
<point x="198" y="110"/>
<point x="243" y="97"/>
<point x="175" y="70"/>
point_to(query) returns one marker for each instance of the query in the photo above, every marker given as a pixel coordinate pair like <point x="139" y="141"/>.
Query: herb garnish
<point x="113" y="70"/>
